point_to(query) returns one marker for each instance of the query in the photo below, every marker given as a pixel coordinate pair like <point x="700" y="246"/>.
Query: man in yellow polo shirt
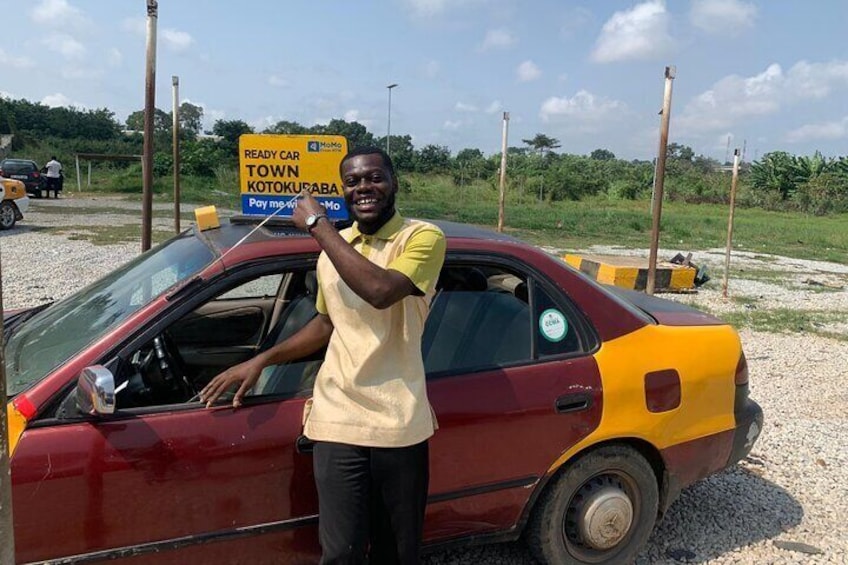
<point x="369" y="415"/>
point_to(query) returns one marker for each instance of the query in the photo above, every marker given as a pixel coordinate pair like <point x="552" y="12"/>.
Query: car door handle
<point x="303" y="444"/>
<point x="577" y="402"/>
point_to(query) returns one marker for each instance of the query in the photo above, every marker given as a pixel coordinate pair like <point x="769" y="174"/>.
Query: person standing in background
<point x="54" y="176"/>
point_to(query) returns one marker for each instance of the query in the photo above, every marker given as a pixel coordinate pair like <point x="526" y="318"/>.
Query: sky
<point x="755" y="75"/>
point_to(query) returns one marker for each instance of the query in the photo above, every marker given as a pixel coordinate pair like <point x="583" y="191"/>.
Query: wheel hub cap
<point x="607" y="517"/>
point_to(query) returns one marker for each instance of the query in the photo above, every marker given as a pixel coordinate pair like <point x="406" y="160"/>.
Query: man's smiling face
<point x="369" y="191"/>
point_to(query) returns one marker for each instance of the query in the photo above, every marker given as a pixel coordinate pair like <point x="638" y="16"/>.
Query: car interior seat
<point x="297" y="376"/>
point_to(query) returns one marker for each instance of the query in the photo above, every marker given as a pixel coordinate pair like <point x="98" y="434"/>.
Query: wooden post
<point x="88" y="184"/>
<point x="659" y="179"/>
<point x="79" y="180"/>
<point x="175" y="81"/>
<point x="733" y="181"/>
<point x="149" y="111"/>
<point x="7" y="532"/>
<point x="502" y="196"/>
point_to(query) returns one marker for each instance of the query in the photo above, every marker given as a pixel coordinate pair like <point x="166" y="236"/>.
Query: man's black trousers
<point x="371" y="502"/>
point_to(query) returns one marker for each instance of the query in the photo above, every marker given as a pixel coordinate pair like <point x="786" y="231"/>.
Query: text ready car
<point x="569" y="413"/>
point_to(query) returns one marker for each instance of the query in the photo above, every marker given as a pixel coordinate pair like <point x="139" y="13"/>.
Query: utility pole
<point x="659" y="179"/>
<point x="7" y="532"/>
<point x="149" y="111"/>
<point x="733" y="181"/>
<point x="502" y="197"/>
<point x="389" y="126"/>
<point x="175" y="81"/>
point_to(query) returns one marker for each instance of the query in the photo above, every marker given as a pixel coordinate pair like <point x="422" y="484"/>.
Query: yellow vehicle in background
<point x="14" y="202"/>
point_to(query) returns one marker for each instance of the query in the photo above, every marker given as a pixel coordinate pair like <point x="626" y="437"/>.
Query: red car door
<point x="513" y="385"/>
<point x="185" y="485"/>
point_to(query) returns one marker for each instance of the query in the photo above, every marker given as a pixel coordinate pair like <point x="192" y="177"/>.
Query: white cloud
<point x="57" y="14"/>
<point x="639" y="33"/>
<point x="583" y="107"/>
<point x="176" y="40"/>
<point x="722" y="16"/>
<point x="452" y="125"/>
<point x="820" y="131"/>
<point x="430" y="69"/>
<point x="6" y="95"/>
<point x="173" y="39"/>
<point x="735" y="98"/>
<point x="494" y="107"/>
<point x="351" y="116"/>
<point x="275" y="80"/>
<point x="59" y="100"/>
<point x="463" y="107"/>
<point x="65" y="45"/>
<point x="497" y="39"/>
<point x="427" y="8"/>
<point x="15" y="62"/>
<point x="528" y="71"/>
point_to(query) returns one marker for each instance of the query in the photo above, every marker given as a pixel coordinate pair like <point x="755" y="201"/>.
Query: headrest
<point x="310" y="281"/>
<point x="462" y="279"/>
<point x="520" y="292"/>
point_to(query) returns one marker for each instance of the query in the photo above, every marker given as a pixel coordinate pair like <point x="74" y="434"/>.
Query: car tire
<point x="600" y="509"/>
<point x="8" y="215"/>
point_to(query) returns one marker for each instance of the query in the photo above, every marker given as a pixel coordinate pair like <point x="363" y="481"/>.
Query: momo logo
<point x="323" y="146"/>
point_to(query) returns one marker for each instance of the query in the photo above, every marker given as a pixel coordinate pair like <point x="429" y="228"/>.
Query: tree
<point x="542" y="143"/>
<point x="230" y="131"/>
<point x="432" y="158"/>
<point x="191" y="119"/>
<point x="161" y="121"/>
<point x="355" y="133"/>
<point x="403" y="152"/>
<point x="286" y="127"/>
<point x="602" y="155"/>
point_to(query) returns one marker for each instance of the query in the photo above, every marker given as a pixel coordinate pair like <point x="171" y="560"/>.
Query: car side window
<point x="485" y="316"/>
<point x="479" y="318"/>
<point x="224" y="330"/>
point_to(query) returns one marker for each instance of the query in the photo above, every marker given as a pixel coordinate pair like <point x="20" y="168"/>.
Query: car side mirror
<point x="96" y="391"/>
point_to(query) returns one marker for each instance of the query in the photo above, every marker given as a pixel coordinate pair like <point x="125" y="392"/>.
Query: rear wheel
<point x="601" y="509"/>
<point x="7" y="215"/>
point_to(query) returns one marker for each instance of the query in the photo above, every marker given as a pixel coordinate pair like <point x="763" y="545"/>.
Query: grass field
<point x="566" y="225"/>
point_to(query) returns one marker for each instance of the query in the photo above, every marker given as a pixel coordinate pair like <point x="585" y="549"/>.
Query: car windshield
<point x="59" y="332"/>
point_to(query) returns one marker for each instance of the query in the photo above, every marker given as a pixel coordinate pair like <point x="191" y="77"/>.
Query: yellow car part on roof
<point x="707" y="390"/>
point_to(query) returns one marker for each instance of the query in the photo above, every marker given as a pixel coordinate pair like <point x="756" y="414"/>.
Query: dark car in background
<point x="26" y="171"/>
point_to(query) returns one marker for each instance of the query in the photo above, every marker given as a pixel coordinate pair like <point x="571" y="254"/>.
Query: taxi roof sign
<point x="275" y="168"/>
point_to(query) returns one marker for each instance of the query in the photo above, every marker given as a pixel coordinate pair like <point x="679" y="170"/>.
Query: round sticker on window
<point x="553" y="325"/>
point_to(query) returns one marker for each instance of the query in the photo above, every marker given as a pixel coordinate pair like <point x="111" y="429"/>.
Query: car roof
<point x="234" y="229"/>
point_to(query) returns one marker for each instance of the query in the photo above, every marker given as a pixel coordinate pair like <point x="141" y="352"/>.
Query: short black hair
<point x="53" y="158"/>
<point x="369" y="150"/>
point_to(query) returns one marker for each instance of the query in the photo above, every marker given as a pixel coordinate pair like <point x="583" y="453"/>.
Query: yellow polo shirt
<point x="371" y="389"/>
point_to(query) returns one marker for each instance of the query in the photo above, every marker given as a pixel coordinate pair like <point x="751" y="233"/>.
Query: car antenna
<point x="260" y="224"/>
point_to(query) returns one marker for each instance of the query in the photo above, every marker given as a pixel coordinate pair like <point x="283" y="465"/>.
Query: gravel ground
<point x="786" y="503"/>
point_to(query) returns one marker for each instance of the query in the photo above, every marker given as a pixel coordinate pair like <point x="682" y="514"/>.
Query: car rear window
<point x="18" y="167"/>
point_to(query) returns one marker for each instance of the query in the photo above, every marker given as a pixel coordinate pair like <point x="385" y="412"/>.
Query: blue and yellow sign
<point x="276" y="168"/>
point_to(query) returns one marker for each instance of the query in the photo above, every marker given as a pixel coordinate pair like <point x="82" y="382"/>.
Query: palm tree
<point x="542" y="143"/>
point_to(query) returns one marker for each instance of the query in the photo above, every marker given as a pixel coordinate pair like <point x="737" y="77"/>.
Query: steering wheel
<point x="172" y="366"/>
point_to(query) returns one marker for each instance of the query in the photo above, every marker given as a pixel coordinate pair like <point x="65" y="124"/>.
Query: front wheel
<point x="601" y="509"/>
<point x="7" y="215"/>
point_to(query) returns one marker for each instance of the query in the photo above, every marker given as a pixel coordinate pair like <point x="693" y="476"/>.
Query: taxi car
<point x="13" y="202"/>
<point x="568" y="413"/>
